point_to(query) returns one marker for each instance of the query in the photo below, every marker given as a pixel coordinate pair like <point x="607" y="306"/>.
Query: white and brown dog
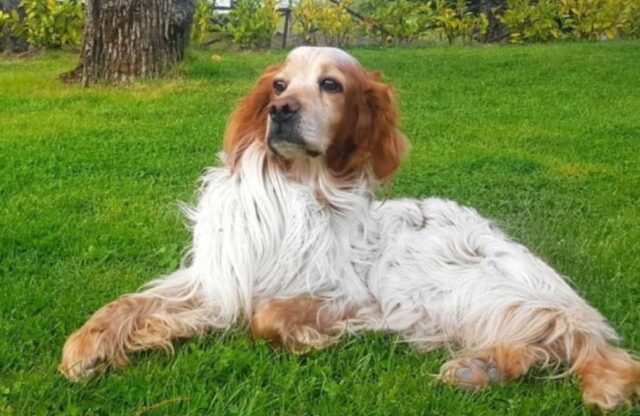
<point x="288" y="237"/>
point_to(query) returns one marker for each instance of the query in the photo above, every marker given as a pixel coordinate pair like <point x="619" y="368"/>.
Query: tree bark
<point x="129" y="39"/>
<point x="13" y="43"/>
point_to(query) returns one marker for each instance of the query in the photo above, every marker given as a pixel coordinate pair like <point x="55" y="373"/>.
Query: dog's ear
<point x="375" y="75"/>
<point x="248" y="122"/>
<point x="378" y="129"/>
<point x="369" y="138"/>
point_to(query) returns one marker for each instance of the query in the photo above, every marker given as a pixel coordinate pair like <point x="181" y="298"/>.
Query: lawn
<point x="544" y="139"/>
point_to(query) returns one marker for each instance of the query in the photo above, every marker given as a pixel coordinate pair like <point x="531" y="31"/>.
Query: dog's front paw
<point x="84" y="355"/>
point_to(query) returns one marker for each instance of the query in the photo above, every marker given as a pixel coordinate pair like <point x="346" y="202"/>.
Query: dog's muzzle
<point x="283" y="136"/>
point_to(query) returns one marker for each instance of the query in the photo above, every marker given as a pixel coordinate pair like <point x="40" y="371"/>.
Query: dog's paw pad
<point x="470" y="373"/>
<point x="494" y="375"/>
<point x="464" y="374"/>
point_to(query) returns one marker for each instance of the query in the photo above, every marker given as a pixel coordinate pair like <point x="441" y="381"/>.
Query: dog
<point x="289" y="239"/>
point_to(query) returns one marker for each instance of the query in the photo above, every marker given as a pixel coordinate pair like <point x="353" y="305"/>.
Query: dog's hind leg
<point x="609" y="376"/>
<point x="134" y="322"/>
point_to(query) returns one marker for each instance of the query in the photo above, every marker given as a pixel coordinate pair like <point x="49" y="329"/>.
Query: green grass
<point x="545" y="139"/>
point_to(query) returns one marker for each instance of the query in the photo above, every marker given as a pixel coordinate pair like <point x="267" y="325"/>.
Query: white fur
<point x="430" y="270"/>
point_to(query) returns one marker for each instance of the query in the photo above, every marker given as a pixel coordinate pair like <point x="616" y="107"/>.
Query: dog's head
<point x="321" y="104"/>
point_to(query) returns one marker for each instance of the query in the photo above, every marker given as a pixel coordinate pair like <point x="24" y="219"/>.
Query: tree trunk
<point x="129" y="39"/>
<point x="7" y="39"/>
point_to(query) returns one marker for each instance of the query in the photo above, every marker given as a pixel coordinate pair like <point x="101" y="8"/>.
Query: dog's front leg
<point x="134" y="322"/>
<point x="300" y="324"/>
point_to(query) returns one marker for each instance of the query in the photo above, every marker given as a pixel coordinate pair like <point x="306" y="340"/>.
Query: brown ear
<point x="248" y="122"/>
<point x="375" y="75"/>
<point x="387" y="144"/>
<point x="368" y="137"/>
<point x="379" y="133"/>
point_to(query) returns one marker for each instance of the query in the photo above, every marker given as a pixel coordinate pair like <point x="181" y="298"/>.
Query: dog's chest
<point x="277" y="238"/>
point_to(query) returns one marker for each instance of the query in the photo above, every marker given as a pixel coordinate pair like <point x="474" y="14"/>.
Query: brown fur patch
<point x="128" y="324"/>
<point x="249" y="120"/>
<point x="368" y="135"/>
<point x="609" y="378"/>
<point x="297" y="324"/>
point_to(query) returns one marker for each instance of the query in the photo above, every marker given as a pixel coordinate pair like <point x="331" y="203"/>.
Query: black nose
<point x="282" y="110"/>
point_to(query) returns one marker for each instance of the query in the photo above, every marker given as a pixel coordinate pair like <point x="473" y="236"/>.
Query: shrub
<point x="545" y="20"/>
<point x="49" y="23"/>
<point x="458" y="22"/>
<point x="252" y="23"/>
<point x="598" y="19"/>
<point x="337" y="24"/>
<point x="4" y="19"/>
<point x="532" y="22"/>
<point x="307" y="16"/>
<point x="633" y="18"/>
<point x="331" y="20"/>
<point x="396" y="21"/>
<point x="202" y="21"/>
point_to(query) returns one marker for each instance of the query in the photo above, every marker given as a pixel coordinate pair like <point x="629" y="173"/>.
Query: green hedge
<point x="546" y="20"/>
<point x="46" y="23"/>
<point x="252" y="23"/>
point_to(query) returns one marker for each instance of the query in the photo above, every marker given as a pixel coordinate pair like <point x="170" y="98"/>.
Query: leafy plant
<point x="397" y="21"/>
<point x="469" y="26"/>
<point x="598" y="19"/>
<point x="49" y="23"/>
<point x="632" y="12"/>
<point x="337" y="25"/>
<point x="532" y="22"/>
<point x="4" y="19"/>
<point x="308" y="15"/>
<point x="545" y="20"/>
<point x="251" y="23"/>
<point x="458" y="22"/>
<point x="202" y="25"/>
<point x="321" y="16"/>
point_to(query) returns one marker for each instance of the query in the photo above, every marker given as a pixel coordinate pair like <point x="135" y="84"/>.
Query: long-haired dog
<point x="288" y="238"/>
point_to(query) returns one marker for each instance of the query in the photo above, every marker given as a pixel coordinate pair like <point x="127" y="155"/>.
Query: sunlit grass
<point x="545" y="139"/>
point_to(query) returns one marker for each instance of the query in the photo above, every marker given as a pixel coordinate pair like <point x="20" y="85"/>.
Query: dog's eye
<point x="330" y="85"/>
<point x="279" y="86"/>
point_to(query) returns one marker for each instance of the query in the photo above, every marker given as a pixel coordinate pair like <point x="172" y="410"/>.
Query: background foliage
<point x="407" y="21"/>
<point x="458" y="22"/>
<point x="592" y="20"/>
<point x="202" y="24"/>
<point x="47" y="23"/>
<point x="333" y="22"/>
<point x="532" y="22"/>
<point x="397" y="21"/>
<point x="253" y="23"/>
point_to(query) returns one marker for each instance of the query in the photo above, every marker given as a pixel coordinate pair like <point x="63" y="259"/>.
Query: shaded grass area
<point x="545" y="139"/>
